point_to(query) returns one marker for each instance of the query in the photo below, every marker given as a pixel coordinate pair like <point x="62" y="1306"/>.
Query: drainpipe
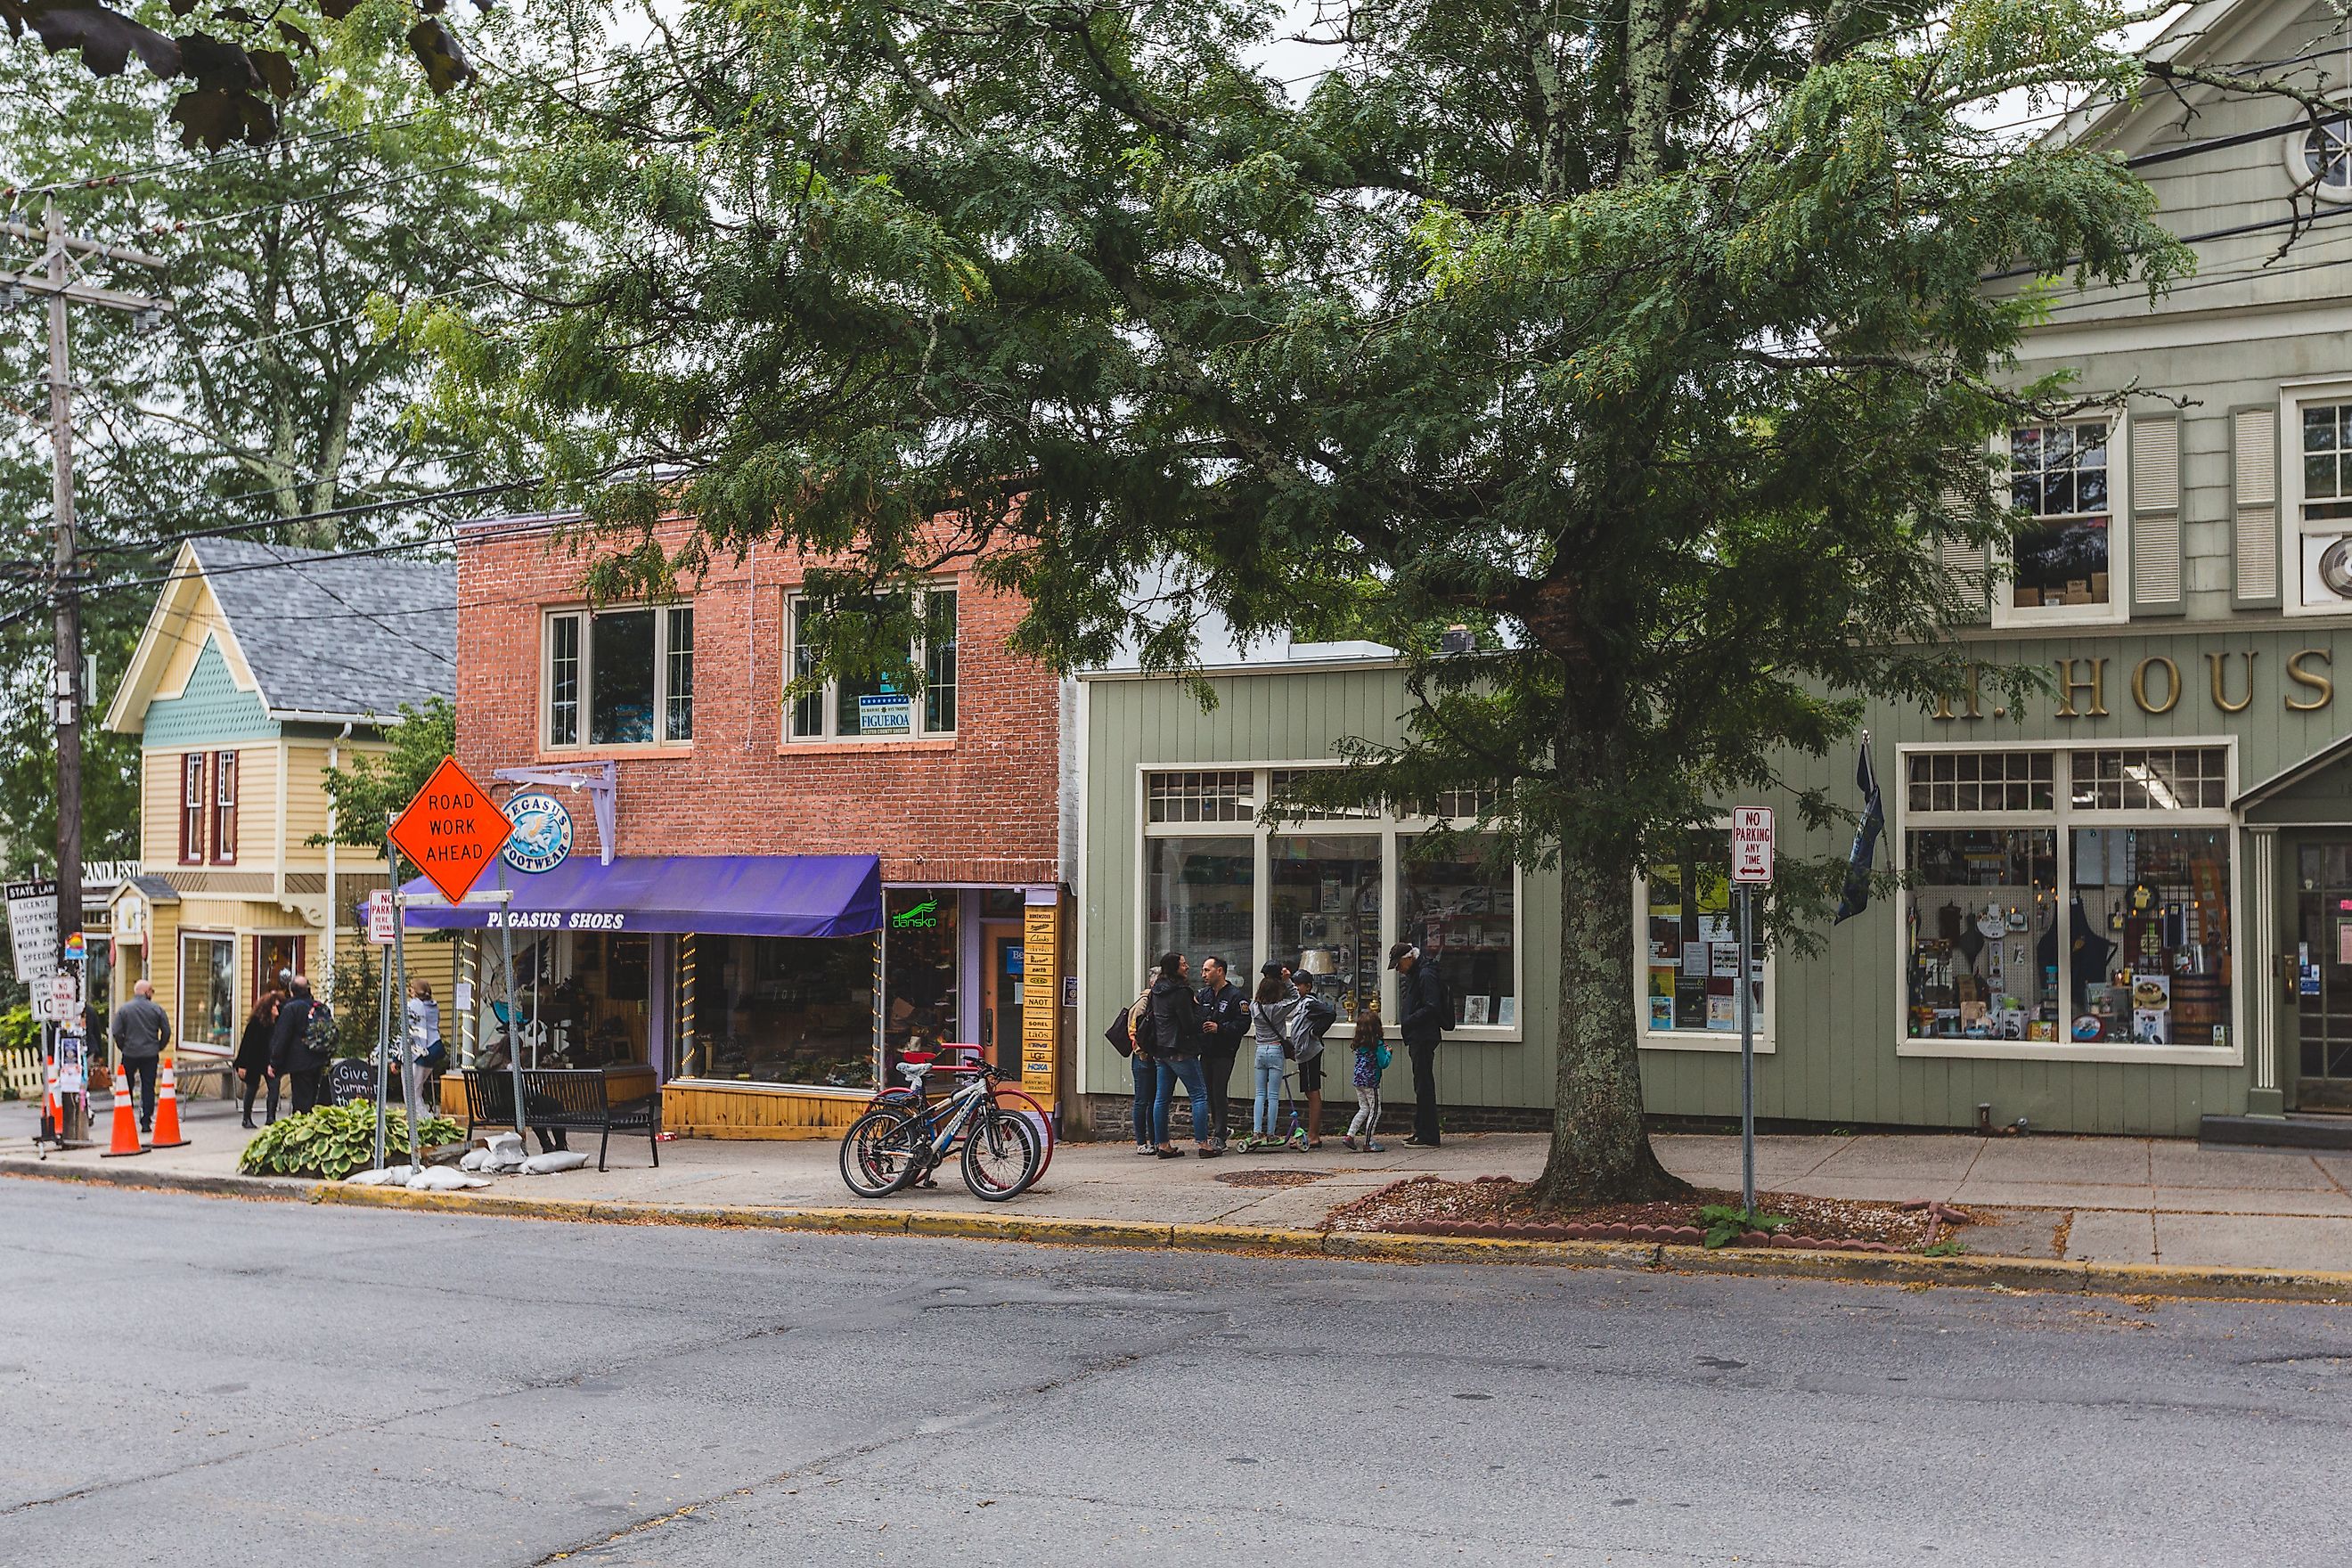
<point x="334" y="758"/>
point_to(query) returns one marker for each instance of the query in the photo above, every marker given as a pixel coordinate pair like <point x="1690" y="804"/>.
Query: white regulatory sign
<point x="1751" y="844"/>
<point x="57" y="999"/>
<point x="379" y="918"/>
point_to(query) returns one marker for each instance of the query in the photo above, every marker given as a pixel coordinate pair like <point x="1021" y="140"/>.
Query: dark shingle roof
<point x="340" y="635"/>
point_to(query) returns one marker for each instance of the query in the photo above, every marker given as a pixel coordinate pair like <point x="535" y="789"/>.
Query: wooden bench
<point x="567" y="1100"/>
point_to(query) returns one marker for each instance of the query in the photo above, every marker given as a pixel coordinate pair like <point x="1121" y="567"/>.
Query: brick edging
<point x="2057" y="1276"/>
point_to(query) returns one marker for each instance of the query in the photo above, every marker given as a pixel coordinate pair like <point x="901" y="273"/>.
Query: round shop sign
<point x="541" y="838"/>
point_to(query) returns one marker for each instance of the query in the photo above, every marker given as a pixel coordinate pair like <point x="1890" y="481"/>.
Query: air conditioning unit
<point x="2327" y="569"/>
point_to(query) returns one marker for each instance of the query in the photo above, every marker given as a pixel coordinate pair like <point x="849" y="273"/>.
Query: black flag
<point x="1856" y="897"/>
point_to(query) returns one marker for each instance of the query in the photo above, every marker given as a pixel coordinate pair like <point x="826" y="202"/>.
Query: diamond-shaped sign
<point x="451" y="830"/>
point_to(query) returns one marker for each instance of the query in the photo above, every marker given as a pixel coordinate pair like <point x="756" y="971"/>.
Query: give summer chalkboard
<point x="350" y="1079"/>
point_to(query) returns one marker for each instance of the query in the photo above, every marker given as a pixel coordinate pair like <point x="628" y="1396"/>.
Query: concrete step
<point x="2294" y="1132"/>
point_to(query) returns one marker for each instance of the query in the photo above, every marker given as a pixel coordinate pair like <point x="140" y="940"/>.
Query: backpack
<point x="1308" y="1024"/>
<point x="318" y="1030"/>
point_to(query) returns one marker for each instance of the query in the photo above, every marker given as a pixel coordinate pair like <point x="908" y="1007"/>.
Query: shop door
<point x="1004" y="957"/>
<point x="274" y="956"/>
<point x="2323" y="959"/>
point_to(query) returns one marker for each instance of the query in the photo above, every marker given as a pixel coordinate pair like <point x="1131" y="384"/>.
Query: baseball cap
<point x="1399" y="951"/>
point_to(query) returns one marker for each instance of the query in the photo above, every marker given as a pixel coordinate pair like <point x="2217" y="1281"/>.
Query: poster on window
<point x="890" y="713"/>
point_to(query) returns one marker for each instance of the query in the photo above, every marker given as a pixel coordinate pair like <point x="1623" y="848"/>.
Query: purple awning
<point x="732" y="895"/>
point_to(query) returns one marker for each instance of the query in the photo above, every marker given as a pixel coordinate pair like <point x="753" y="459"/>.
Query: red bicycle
<point x="918" y="1067"/>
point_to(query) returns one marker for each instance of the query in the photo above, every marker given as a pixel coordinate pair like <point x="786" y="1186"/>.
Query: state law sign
<point x="1751" y="844"/>
<point x="451" y="830"/>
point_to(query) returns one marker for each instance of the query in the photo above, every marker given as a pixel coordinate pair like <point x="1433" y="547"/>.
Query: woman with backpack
<point x="1269" y="1025"/>
<point x="1142" y="1067"/>
<point x="1372" y="1060"/>
<point x="296" y="1056"/>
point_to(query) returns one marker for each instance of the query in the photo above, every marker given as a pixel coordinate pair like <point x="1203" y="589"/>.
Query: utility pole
<point x="66" y="694"/>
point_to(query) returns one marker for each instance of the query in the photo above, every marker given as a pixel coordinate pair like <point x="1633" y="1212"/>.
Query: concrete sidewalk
<point x="2101" y="1200"/>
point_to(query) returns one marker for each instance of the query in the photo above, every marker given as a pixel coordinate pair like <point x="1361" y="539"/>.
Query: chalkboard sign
<point x="350" y="1079"/>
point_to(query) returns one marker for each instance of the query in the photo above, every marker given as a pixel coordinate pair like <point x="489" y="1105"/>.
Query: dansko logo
<point x="917" y="917"/>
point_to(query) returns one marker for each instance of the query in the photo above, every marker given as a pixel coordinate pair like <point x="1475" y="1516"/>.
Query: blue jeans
<point x="1187" y="1070"/>
<point x="1147" y="1092"/>
<point x="1267" y="1116"/>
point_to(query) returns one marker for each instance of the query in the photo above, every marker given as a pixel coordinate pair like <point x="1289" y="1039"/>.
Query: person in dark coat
<point x="1178" y="1038"/>
<point x="141" y="1031"/>
<point x="1425" y="1012"/>
<point x="1224" y="1009"/>
<point x="291" y="1055"/>
<point x="252" y="1059"/>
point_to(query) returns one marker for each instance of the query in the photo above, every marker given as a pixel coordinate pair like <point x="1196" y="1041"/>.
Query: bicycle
<point x="1006" y="1093"/>
<point x="895" y="1145"/>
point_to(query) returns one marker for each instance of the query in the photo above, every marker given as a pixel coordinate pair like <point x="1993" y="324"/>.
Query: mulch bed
<point x="1271" y="1178"/>
<point x="1498" y="1206"/>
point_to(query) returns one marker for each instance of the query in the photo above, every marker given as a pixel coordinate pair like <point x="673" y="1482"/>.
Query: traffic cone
<point x="53" y="1115"/>
<point x="126" y="1125"/>
<point x="167" y="1111"/>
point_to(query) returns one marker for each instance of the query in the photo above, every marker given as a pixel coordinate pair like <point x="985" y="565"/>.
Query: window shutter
<point x="2154" y="481"/>
<point x="1969" y="561"/>
<point x="2253" y="442"/>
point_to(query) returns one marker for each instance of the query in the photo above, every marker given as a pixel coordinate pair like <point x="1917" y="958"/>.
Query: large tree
<point x="1646" y="338"/>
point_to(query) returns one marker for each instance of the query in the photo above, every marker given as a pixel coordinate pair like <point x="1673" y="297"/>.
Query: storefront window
<point x="2158" y="903"/>
<point x="1201" y="899"/>
<point x="2088" y="930"/>
<point x="1461" y="910"/>
<point x="920" y="963"/>
<point x="757" y="1009"/>
<point x="1326" y="913"/>
<point x="600" y="1014"/>
<point x="1692" y="942"/>
<point x="208" y="998"/>
<point x="1983" y="960"/>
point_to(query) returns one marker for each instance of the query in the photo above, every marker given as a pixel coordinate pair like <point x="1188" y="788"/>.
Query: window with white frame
<point x="2319" y="159"/>
<point x="2083" y="922"/>
<point x="1689" y="949"/>
<point x="2060" y="477"/>
<point x="619" y="677"/>
<point x="1326" y="891"/>
<point x="876" y="707"/>
<point x="2322" y="478"/>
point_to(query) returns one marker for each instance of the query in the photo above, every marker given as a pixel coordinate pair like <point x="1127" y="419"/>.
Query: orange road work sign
<point x="451" y="830"/>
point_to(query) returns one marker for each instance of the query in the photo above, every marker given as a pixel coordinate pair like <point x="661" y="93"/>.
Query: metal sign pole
<point x="398" y="1010"/>
<point x="514" y="1018"/>
<point x="1746" y="1050"/>
<point x="382" y="1055"/>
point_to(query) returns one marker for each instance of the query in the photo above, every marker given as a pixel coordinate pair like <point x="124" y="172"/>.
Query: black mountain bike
<point x="895" y="1144"/>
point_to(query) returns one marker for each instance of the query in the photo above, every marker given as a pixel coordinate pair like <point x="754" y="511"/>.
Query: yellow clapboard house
<point x="260" y="669"/>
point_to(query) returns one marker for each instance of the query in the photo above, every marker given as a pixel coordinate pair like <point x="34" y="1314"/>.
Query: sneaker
<point x="1145" y="1149"/>
<point x="1210" y="1151"/>
<point x="1372" y="1148"/>
<point x="1417" y="1142"/>
<point x="1348" y="1141"/>
<point x="1299" y="1140"/>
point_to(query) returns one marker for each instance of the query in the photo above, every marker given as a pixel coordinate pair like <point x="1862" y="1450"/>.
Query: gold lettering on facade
<point x="2171" y="684"/>
<point x="1974" y="696"/>
<point x="2070" y="683"/>
<point x="2214" y="662"/>
<point x="2322" y="685"/>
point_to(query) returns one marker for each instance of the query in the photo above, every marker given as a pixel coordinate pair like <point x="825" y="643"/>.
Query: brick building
<point x="765" y="900"/>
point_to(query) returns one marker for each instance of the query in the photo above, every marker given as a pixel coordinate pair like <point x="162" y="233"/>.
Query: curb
<point x="2051" y="1276"/>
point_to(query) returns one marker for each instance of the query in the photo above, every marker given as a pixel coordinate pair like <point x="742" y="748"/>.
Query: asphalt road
<point x="196" y="1381"/>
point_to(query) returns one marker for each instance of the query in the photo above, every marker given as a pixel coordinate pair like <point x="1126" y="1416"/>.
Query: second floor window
<point x="192" y="808"/>
<point x="877" y="708"/>
<point x="620" y="677"/>
<point x="2058" y="476"/>
<point x="224" y="809"/>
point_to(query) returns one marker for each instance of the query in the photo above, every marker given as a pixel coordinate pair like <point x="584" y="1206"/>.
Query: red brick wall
<point x="983" y="807"/>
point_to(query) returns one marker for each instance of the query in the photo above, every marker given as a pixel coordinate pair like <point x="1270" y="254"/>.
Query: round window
<point x="2320" y="159"/>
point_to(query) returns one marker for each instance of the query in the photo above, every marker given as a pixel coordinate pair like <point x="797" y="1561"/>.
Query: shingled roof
<point x="339" y="636"/>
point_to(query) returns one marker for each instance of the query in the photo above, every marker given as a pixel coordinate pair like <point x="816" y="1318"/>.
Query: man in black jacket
<point x="1425" y="1012"/>
<point x="1179" y="1036"/>
<point x="289" y="1047"/>
<point x="1225" y="1011"/>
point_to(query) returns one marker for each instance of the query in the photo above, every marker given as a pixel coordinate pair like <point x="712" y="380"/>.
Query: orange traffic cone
<point x="126" y="1125"/>
<point x="167" y="1111"/>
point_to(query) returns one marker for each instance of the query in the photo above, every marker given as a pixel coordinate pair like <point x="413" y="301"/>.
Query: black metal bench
<point x="565" y="1100"/>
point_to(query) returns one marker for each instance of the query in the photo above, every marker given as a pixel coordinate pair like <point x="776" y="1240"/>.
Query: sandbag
<point x="390" y="1177"/>
<point x="442" y="1179"/>
<point x="474" y="1160"/>
<point x="559" y="1160"/>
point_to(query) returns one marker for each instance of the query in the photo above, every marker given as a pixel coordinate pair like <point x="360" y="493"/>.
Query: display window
<point x="2091" y="923"/>
<point x="208" y="999"/>
<point x="1690" y="949"/>
<point x="920" y="964"/>
<point x="782" y="1010"/>
<point x="1231" y="869"/>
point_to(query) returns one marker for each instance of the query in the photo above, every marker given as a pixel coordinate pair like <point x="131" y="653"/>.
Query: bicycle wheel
<point x="881" y="1152"/>
<point x="1001" y="1155"/>
<point x="1014" y="1099"/>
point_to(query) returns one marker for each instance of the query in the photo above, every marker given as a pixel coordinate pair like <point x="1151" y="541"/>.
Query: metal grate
<point x="1982" y="781"/>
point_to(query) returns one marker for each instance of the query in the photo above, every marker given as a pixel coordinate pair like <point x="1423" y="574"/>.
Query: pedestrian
<point x="252" y="1060"/>
<point x="428" y="1050"/>
<point x="1143" y="1065"/>
<point x="1176" y="1021"/>
<point x="1269" y="1022"/>
<point x="291" y="1051"/>
<point x="1224" y="1013"/>
<point x="1425" y="1012"/>
<point x="141" y="1031"/>
<point x="1309" y="1021"/>
<point x="1372" y="1060"/>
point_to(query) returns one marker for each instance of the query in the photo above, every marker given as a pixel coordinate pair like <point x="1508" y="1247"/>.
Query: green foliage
<point x="334" y="1140"/>
<point x="371" y="789"/>
<point x="19" y="1030"/>
<point x="1649" y="340"/>
<point x="1949" y="1246"/>
<point x="1725" y="1224"/>
<point x="358" y="994"/>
